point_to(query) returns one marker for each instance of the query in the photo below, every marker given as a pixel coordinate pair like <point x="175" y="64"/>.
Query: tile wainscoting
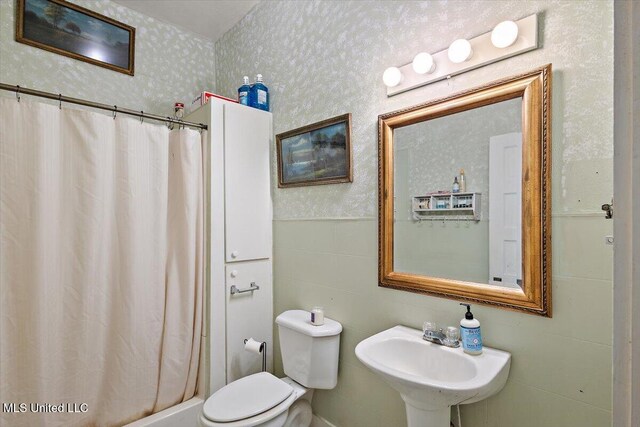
<point x="561" y="368"/>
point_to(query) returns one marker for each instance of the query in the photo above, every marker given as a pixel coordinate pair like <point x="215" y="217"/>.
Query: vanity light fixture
<point x="460" y="51"/>
<point x="504" y="34"/>
<point x="507" y="39"/>
<point x="423" y="63"/>
<point x="392" y="76"/>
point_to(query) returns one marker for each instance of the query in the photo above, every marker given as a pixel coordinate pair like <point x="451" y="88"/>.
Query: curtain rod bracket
<point x="115" y="111"/>
<point x="141" y="116"/>
<point x="18" y="93"/>
<point x="60" y="101"/>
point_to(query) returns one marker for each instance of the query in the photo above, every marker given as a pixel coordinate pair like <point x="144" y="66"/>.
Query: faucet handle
<point x="429" y="326"/>
<point x="452" y="337"/>
<point x="452" y="332"/>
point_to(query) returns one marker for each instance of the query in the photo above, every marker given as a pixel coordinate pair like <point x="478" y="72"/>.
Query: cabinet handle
<point x="235" y="290"/>
<point x="235" y="254"/>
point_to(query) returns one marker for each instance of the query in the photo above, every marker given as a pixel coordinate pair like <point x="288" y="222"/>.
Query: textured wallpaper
<point x="325" y="58"/>
<point x="170" y="64"/>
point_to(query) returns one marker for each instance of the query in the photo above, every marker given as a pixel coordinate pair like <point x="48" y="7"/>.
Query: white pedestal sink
<point x="430" y="377"/>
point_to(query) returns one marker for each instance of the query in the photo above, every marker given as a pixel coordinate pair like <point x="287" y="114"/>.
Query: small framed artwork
<point x="316" y="154"/>
<point x="68" y="29"/>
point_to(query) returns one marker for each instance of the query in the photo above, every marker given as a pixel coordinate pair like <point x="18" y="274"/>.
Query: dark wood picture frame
<point x="91" y="48"/>
<point x="319" y="156"/>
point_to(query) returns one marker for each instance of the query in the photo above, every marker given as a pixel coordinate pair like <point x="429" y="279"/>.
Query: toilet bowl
<point x="310" y="359"/>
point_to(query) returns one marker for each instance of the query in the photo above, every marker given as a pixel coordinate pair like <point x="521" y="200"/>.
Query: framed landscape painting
<point x="68" y="29"/>
<point x="316" y="154"/>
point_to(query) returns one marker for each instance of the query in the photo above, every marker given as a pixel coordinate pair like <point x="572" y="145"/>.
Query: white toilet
<point x="310" y="359"/>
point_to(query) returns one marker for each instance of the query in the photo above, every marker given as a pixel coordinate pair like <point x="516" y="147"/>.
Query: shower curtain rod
<point x="113" y="108"/>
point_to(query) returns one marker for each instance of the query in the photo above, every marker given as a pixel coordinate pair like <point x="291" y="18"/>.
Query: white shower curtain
<point x="101" y="266"/>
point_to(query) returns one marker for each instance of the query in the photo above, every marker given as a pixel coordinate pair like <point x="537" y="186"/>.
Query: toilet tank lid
<point x="300" y="321"/>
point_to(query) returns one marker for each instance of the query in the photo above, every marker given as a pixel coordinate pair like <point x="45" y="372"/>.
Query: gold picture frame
<point x="71" y="30"/>
<point x="316" y="154"/>
<point x="534" y="88"/>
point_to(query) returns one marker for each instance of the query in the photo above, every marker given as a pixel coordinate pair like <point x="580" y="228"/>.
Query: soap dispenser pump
<point x="470" y="333"/>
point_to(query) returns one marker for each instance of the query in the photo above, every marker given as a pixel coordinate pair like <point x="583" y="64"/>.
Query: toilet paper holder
<point x="263" y="350"/>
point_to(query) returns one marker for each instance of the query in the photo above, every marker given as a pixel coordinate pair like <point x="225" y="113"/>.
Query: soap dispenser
<point x="470" y="333"/>
<point x="456" y="186"/>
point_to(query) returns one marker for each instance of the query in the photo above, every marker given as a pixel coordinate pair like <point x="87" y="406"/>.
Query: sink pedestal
<point x="418" y="417"/>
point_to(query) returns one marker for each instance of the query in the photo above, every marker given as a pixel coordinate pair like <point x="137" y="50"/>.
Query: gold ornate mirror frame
<point x="535" y="296"/>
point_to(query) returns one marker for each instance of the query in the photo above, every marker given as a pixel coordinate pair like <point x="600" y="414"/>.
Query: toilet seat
<point x="248" y="401"/>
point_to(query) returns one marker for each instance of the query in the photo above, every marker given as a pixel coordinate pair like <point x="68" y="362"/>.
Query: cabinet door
<point x="247" y="137"/>
<point x="249" y="315"/>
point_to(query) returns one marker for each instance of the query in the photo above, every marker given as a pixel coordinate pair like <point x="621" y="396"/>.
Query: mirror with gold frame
<point x="484" y="238"/>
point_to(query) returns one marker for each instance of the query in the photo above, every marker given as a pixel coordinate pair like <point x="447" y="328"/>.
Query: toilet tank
<point x="309" y="353"/>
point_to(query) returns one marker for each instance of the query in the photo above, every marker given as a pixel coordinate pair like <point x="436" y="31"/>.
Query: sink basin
<point x="430" y="377"/>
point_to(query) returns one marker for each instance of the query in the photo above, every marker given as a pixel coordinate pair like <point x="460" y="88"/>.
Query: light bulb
<point x="392" y="76"/>
<point x="423" y="63"/>
<point x="460" y="51"/>
<point x="504" y="34"/>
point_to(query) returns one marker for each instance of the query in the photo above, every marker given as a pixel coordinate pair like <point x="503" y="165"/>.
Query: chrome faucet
<point x="438" y="336"/>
